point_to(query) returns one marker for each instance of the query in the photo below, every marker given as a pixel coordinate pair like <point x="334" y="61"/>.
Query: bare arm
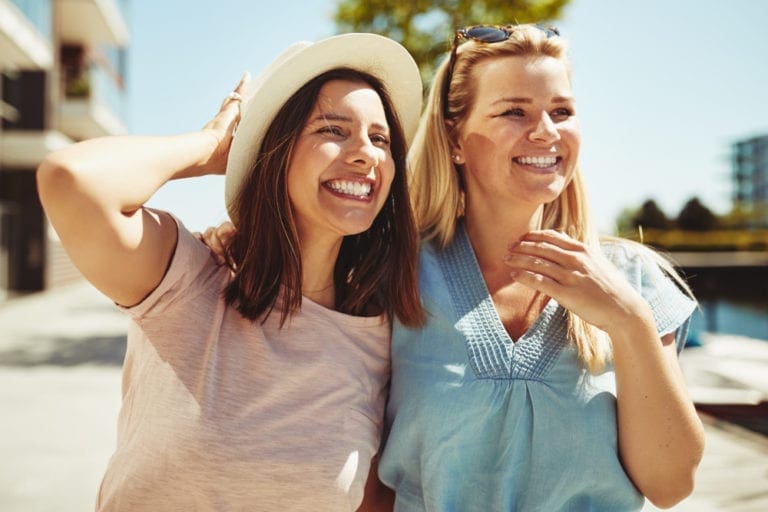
<point x="661" y="439"/>
<point x="94" y="191"/>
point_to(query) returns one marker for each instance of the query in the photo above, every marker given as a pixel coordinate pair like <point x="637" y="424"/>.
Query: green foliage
<point x="425" y="27"/>
<point x="696" y="228"/>
<point x="625" y="222"/>
<point x="650" y="216"/>
<point x="744" y="216"/>
<point x="738" y="218"/>
<point x="78" y="87"/>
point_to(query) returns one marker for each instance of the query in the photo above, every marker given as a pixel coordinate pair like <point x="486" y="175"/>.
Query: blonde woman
<point x="546" y="377"/>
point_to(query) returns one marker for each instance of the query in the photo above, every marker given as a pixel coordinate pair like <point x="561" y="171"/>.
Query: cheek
<point x="297" y="189"/>
<point x="573" y="132"/>
<point x="485" y="146"/>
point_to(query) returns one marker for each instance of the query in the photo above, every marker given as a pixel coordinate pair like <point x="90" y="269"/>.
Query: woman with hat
<point x="259" y="385"/>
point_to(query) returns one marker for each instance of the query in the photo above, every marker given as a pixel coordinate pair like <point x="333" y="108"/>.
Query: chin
<point x="356" y="230"/>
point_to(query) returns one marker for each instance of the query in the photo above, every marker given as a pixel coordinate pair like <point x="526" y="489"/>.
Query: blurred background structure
<point x="63" y="70"/>
<point x="671" y="99"/>
<point x="750" y="178"/>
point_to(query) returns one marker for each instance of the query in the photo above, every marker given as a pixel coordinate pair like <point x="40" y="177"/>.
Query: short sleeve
<point x="671" y="307"/>
<point x="189" y="270"/>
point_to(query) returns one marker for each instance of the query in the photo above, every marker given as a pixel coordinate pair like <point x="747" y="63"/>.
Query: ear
<point x="457" y="155"/>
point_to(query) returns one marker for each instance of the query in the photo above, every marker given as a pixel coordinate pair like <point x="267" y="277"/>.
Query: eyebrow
<point x="332" y="116"/>
<point x="556" y="99"/>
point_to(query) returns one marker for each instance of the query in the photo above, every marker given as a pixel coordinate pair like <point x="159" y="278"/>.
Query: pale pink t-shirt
<point x="223" y="413"/>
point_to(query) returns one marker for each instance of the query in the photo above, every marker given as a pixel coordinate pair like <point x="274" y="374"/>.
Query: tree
<point x="696" y="217"/>
<point x="650" y="216"/>
<point x="425" y="27"/>
<point x="625" y="222"/>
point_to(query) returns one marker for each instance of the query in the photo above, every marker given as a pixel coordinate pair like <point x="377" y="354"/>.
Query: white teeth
<point x="352" y="188"/>
<point x="537" y="161"/>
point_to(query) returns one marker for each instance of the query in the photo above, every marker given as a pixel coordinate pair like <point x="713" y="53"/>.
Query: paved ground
<point x="60" y="356"/>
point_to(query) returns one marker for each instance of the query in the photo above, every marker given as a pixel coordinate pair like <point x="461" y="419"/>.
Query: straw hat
<point x="376" y="55"/>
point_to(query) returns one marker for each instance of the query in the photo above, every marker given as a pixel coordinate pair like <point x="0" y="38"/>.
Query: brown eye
<point x="380" y="139"/>
<point x="514" y="112"/>
<point x="331" y="130"/>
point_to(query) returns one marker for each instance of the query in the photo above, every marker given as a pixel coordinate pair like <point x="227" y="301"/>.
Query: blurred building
<point x="750" y="178"/>
<point x="62" y="80"/>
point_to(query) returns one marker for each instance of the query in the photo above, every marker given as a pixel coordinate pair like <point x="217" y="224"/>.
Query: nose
<point x="545" y="130"/>
<point x="362" y="153"/>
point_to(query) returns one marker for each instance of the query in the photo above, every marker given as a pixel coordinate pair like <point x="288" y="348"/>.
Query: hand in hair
<point x="222" y="128"/>
<point x="218" y="239"/>
<point x="94" y="194"/>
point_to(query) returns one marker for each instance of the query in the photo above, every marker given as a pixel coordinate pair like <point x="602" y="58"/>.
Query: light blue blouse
<point x="479" y="423"/>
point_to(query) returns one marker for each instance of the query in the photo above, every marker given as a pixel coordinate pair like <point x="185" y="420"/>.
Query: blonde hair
<point x="436" y="189"/>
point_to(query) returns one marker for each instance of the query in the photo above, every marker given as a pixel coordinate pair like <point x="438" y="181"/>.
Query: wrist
<point x="634" y="318"/>
<point x="202" y="148"/>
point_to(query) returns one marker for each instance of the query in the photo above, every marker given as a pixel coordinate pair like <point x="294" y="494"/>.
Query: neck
<point x="318" y="261"/>
<point x="491" y="232"/>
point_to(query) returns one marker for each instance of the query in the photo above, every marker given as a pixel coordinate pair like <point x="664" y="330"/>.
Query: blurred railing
<point x="108" y="90"/>
<point x="711" y="240"/>
<point x="124" y="7"/>
<point x="100" y="84"/>
<point x="39" y="14"/>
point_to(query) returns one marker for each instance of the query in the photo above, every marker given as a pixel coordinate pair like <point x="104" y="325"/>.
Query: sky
<point x="662" y="88"/>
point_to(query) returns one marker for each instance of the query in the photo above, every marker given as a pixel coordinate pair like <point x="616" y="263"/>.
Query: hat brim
<point x="373" y="54"/>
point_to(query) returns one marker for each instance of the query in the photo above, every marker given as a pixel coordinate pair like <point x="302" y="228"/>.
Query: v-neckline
<point x="492" y="351"/>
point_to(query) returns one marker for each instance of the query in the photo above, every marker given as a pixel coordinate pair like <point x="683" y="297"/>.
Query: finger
<point x="538" y="282"/>
<point x="236" y="96"/>
<point x="231" y="100"/>
<point x="546" y="250"/>
<point x="555" y="238"/>
<point x="547" y="268"/>
<point x="243" y="84"/>
<point x="217" y="248"/>
<point x="225" y="231"/>
<point x="211" y="241"/>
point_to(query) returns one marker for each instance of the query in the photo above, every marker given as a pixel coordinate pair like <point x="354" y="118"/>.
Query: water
<point x="731" y="316"/>
<point x="745" y="317"/>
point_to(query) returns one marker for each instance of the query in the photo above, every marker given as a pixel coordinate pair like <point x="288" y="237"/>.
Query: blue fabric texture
<point x="477" y="422"/>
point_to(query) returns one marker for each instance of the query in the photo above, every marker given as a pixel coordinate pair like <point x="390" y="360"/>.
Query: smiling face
<point x="341" y="167"/>
<point x="519" y="142"/>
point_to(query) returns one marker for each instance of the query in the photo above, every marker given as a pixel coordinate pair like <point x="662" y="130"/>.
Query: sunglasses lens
<point x="487" y="34"/>
<point x="550" y="31"/>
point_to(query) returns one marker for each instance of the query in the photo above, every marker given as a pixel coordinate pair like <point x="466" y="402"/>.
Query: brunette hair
<point x="375" y="270"/>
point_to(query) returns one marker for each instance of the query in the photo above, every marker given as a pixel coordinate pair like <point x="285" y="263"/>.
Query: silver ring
<point x="234" y="96"/>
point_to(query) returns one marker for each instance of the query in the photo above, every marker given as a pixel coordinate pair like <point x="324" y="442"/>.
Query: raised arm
<point x="93" y="193"/>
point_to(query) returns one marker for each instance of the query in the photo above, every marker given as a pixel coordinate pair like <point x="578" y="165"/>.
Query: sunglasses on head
<point x="481" y="34"/>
